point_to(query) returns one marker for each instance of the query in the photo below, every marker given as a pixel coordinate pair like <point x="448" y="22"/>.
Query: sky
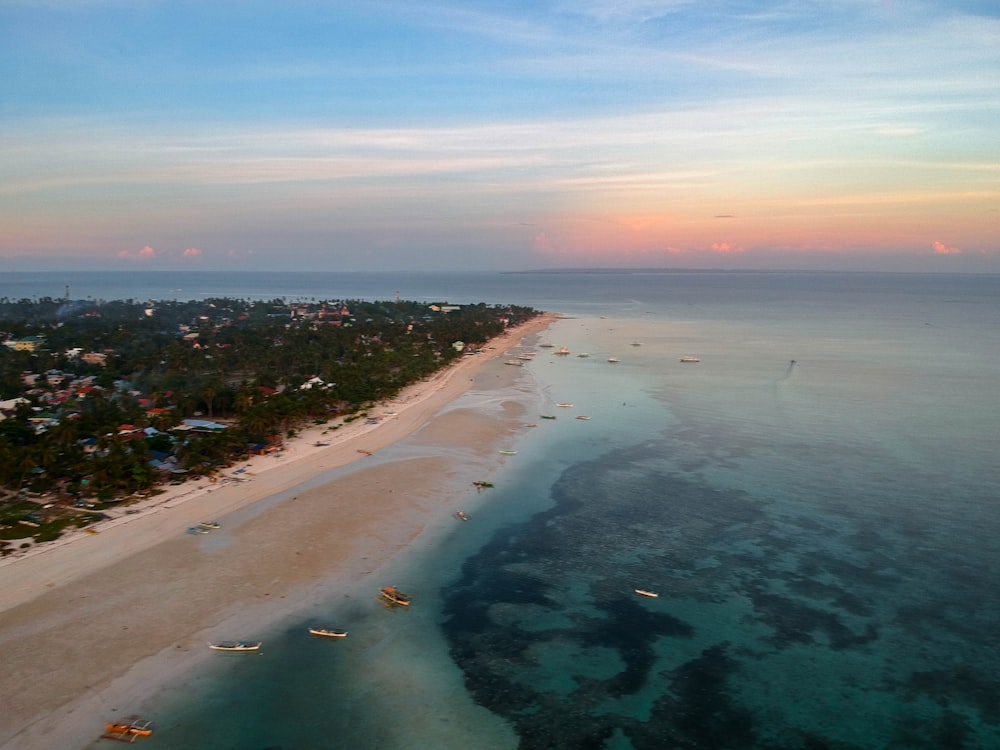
<point x="469" y="135"/>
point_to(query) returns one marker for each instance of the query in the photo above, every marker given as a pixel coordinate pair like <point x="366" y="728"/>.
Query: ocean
<point x="815" y="502"/>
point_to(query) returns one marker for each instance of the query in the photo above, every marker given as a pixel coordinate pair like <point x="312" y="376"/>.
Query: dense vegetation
<point x="96" y="394"/>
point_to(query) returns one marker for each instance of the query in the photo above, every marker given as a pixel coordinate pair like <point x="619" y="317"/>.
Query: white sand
<point x="95" y="623"/>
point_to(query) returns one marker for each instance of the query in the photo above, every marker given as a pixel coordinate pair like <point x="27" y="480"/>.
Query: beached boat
<point x="514" y="362"/>
<point x="128" y="730"/>
<point x="508" y="453"/>
<point x="643" y="592"/>
<point x="583" y="417"/>
<point x="613" y="359"/>
<point x="563" y="352"/>
<point x="688" y="360"/>
<point x="197" y="530"/>
<point x="236" y="647"/>
<point x="565" y="406"/>
<point x="394" y="597"/>
<point x="325" y="633"/>
<point x="548" y="416"/>
<point x="209" y="525"/>
<point x="461" y="516"/>
<point x="583" y="354"/>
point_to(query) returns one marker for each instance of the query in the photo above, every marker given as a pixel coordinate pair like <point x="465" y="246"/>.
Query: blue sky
<point x="328" y="135"/>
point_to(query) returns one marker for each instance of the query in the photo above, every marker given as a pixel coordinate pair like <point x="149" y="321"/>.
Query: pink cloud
<point x="942" y="249"/>
<point x="724" y="247"/>
<point x="147" y="253"/>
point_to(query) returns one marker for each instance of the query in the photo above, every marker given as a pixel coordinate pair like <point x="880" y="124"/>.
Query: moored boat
<point x="613" y="359"/>
<point x="643" y="592"/>
<point x="326" y="633"/>
<point x="508" y="453"/>
<point x="565" y="406"/>
<point x="128" y="730"/>
<point x="563" y="352"/>
<point x="209" y="525"/>
<point x="689" y="360"/>
<point x="236" y="647"/>
<point x="460" y="515"/>
<point x="394" y="597"/>
<point x="583" y="417"/>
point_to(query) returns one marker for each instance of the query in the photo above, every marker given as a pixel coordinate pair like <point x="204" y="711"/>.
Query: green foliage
<point x="263" y="368"/>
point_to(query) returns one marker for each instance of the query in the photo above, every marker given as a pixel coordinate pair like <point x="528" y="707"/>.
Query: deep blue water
<point x="823" y="534"/>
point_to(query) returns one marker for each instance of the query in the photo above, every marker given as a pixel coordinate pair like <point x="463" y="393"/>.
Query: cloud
<point x="724" y="248"/>
<point x="192" y="252"/>
<point x="147" y="253"/>
<point x="942" y="249"/>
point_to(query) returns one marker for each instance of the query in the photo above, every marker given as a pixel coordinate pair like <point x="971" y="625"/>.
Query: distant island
<point x="103" y="402"/>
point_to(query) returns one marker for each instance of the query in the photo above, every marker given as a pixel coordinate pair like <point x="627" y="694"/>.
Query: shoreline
<point x="143" y="574"/>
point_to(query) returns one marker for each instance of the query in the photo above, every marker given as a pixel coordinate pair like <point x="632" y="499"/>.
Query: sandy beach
<point x="92" y="624"/>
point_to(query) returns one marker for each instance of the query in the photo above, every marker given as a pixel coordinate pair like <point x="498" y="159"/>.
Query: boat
<point x="548" y="416"/>
<point x="514" y="362"/>
<point x="209" y="525"/>
<point x="565" y="406"/>
<point x="643" y="592"/>
<point x="563" y="352"/>
<point x="547" y="345"/>
<point x="461" y="516"/>
<point x="128" y="730"/>
<point x="508" y="453"/>
<point x="583" y="354"/>
<point x="613" y="359"/>
<point x="197" y="530"/>
<point x="236" y="647"/>
<point x="325" y="633"/>
<point x="688" y="360"/>
<point x="583" y="417"/>
<point x="394" y="597"/>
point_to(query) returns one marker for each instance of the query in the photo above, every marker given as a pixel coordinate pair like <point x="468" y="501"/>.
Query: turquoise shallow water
<point x="822" y="536"/>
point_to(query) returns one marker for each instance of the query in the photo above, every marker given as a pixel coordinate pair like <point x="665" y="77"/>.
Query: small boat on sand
<point x="689" y="360"/>
<point x="197" y="530"/>
<point x="613" y="359"/>
<point x="209" y="525"/>
<point x="325" y="633"/>
<point x="650" y="594"/>
<point x="392" y="596"/>
<point x="236" y="647"/>
<point x="460" y="515"/>
<point x="508" y="453"/>
<point x="128" y="730"/>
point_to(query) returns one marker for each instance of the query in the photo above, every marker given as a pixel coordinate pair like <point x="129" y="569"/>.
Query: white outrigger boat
<point x="326" y="633"/>
<point x="236" y="647"/>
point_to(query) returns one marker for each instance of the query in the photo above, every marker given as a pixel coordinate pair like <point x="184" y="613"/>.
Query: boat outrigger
<point x="390" y="596"/>
<point x="127" y="731"/>
<point x="326" y="633"/>
<point x="236" y="647"/>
